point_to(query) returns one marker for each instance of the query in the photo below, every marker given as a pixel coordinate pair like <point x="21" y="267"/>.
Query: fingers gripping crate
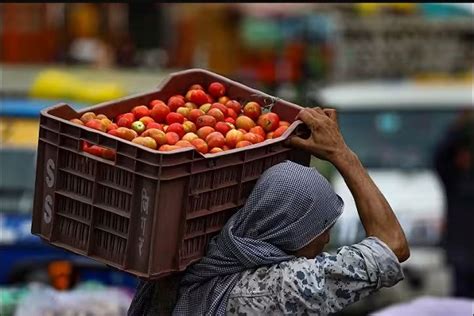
<point x="148" y="212"/>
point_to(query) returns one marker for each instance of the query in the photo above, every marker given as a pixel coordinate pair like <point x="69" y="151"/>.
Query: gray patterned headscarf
<point x="289" y="207"/>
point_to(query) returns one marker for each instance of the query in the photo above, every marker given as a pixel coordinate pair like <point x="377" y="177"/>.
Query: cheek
<point x="325" y="238"/>
<point x="319" y="249"/>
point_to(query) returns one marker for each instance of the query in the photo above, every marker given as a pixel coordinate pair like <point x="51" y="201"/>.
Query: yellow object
<point x="98" y="92"/>
<point x="54" y="84"/>
<point x="367" y="8"/>
<point x="403" y="7"/>
<point x="19" y="132"/>
<point x="84" y="19"/>
<point x="429" y="78"/>
<point x="374" y="8"/>
<point x="61" y="85"/>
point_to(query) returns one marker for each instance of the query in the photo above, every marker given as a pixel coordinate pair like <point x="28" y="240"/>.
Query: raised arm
<point x="326" y="142"/>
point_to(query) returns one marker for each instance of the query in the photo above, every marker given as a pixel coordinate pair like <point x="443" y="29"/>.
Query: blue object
<point x="445" y="10"/>
<point x="27" y="108"/>
<point x="19" y="249"/>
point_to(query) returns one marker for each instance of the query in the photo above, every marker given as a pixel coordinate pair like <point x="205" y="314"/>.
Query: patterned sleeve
<point x="329" y="283"/>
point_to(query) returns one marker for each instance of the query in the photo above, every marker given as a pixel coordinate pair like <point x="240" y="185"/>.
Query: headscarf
<point x="288" y="208"/>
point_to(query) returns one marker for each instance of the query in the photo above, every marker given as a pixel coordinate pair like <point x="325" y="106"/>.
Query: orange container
<point x="149" y="213"/>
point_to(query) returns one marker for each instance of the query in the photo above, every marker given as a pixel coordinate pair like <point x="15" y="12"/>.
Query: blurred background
<point x="400" y="74"/>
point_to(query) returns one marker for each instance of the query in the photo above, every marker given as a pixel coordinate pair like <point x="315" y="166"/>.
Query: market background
<point x="310" y="54"/>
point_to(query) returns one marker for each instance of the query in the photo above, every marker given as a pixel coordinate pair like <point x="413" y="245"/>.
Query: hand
<point x="326" y="141"/>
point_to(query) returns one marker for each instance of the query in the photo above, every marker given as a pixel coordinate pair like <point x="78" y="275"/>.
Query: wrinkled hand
<point x="326" y="141"/>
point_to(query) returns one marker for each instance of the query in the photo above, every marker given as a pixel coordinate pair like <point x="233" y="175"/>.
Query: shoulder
<point x="271" y="280"/>
<point x="261" y="281"/>
<point x="259" y="291"/>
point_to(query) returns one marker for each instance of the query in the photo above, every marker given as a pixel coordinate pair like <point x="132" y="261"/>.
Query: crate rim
<point x="293" y="126"/>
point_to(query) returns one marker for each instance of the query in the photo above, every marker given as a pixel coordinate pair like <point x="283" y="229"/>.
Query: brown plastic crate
<point x="149" y="213"/>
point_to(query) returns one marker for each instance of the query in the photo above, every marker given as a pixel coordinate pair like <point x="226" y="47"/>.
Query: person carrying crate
<point x="269" y="259"/>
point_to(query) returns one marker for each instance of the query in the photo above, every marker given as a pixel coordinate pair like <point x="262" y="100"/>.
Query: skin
<point x="315" y="247"/>
<point x="377" y="217"/>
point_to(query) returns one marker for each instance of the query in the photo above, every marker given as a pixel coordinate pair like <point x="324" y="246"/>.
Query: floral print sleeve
<point x="317" y="286"/>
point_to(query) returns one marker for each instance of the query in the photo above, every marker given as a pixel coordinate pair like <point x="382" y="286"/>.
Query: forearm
<point x="326" y="142"/>
<point x="374" y="211"/>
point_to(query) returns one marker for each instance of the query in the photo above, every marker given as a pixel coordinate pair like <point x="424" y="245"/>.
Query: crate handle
<point x="101" y="152"/>
<point x="268" y="101"/>
<point x="302" y="131"/>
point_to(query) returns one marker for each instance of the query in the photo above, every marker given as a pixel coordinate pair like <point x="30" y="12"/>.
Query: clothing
<point x="155" y="297"/>
<point x="463" y="281"/>
<point x="142" y="300"/>
<point x="458" y="185"/>
<point x="454" y="163"/>
<point x="317" y="286"/>
<point x="289" y="206"/>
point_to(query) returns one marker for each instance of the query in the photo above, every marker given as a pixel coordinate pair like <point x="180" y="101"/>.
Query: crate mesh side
<point x="111" y="221"/>
<point x="253" y="169"/>
<point x="74" y="208"/>
<point x="201" y="181"/>
<point x="116" y="176"/>
<point x="73" y="233"/>
<point x="215" y="178"/>
<point x="109" y="246"/>
<point x="196" y="203"/>
<point x="73" y="161"/>
<point x="195" y="226"/>
<point x="200" y="230"/>
<point x="278" y="158"/>
<point x="226" y="175"/>
<point x="216" y="221"/>
<point x="113" y="198"/>
<point x="193" y="247"/>
<point x="222" y="197"/>
<point x="212" y="199"/>
<point x="77" y="185"/>
<point x="68" y="142"/>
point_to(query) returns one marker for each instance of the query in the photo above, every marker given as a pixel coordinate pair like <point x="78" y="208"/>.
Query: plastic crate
<point x="149" y="213"/>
